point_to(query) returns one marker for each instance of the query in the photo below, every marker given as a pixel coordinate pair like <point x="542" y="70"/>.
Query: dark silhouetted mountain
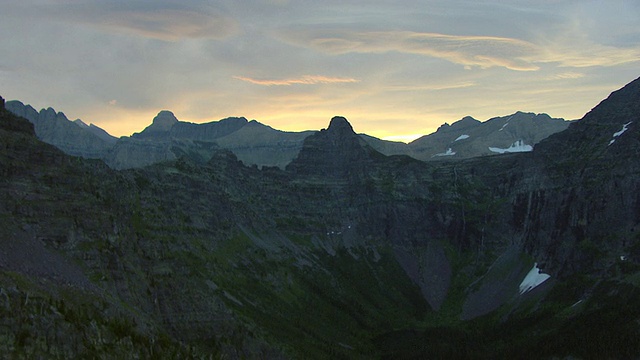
<point x="254" y="143"/>
<point x="345" y="253"/>
<point x="336" y="152"/>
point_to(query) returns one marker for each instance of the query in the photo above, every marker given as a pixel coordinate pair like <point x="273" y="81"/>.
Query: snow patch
<point x="533" y="279"/>
<point x="618" y="133"/>
<point x="449" y="152"/>
<point x="461" y="137"/>
<point x="506" y="123"/>
<point x="518" y="146"/>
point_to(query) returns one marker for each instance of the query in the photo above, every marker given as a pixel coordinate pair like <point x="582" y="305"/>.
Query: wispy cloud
<point x="566" y="76"/>
<point x="171" y="24"/>
<point x="163" y="19"/>
<point x="470" y="51"/>
<point x="302" y="80"/>
<point x="586" y="54"/>
<point x="430" y="87"/>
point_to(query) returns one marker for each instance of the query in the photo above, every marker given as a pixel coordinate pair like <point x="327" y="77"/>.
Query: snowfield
<point x="618" y="133"/>
<point x="518" y="146"/>
<point x="533" y="279"/>
<point x="449" y="152"/>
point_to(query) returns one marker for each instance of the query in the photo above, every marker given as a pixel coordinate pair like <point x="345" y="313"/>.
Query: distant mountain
<point x="54" y="128"/>
<point x="168" y="138"/>
<point x="99" y="132"/>
<point x="469" y="137"/>
<point x="346" y="253"/>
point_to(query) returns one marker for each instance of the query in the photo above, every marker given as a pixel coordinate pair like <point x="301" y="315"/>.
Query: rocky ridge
<point x="399" y="258"/>
<point x="468" y="137"/>
<point x="168" y="138"/>
<point x="54" y="128"/>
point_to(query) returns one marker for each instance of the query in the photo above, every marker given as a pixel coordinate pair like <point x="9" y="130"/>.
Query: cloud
<point x="431" y="87"/>
<point x="164" y="19"/>
<point x="303" y="80"/>
<point x="470" y="51"/>
<point x="170" y="24"/>
<point x="566" y="76"/>
<point x="589" y="55"/>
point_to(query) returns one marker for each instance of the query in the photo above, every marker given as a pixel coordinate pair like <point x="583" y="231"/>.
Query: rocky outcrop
<point x="336" y="152"/>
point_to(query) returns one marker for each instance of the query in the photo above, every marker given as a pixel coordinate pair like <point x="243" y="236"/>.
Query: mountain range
<point x="344" y="252"/>
<point x="254" y="143"/>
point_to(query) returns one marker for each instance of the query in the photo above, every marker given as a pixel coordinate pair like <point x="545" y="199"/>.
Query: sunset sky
<point x="395" y="69"/>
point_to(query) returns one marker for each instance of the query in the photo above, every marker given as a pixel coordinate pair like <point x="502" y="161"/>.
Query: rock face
<point x="54" y="128"/>
<point x="253" y="143"/>
<point x="160" y="126"/>
<point x="167" y="138"/>
<point x="468" y="137"/>
<point x="212" y="257"/>
<point x="336" y="152"/>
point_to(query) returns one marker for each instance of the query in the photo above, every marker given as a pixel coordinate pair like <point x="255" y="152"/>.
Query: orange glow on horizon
<point x="118" y="122"/>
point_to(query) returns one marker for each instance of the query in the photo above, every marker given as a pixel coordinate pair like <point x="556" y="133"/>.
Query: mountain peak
<point x="335" y="152"/>
<point x="164" y="121"/>
<point x="465" y="122"/>
<point x="340" y="124"/>
<point x="160" y="126"/>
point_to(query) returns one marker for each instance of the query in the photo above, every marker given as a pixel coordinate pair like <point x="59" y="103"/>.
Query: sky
<point x="395" y="70"/>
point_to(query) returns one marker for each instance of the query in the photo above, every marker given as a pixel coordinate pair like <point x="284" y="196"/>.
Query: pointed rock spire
<point x="336" y="152"/>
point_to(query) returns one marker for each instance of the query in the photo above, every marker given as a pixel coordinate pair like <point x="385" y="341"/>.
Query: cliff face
<point x="515" y="254"/>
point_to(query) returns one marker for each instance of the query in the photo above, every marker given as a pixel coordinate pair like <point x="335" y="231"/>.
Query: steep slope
<point x="528" y="255"/>
<point x="54" y="128"/>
